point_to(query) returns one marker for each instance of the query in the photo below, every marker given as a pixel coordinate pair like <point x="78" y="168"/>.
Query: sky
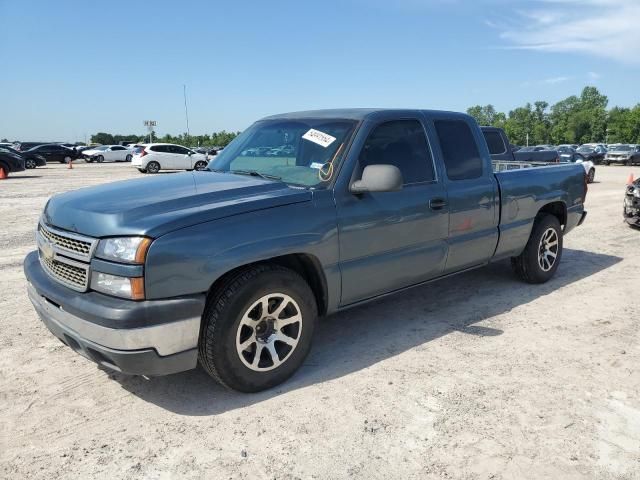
<point x="73" y="68"/>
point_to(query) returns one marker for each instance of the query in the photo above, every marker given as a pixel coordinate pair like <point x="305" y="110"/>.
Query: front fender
<point x="193" y="258"/>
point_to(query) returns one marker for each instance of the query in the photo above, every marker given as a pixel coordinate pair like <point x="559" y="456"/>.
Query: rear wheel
<point x="128" y="158"/>
<point x="30" y="163"/>
<point x="541" y="256"/>
<point x="257" y="328"/>
<point x="153" y="167"/>
<point x="591" y="175"/>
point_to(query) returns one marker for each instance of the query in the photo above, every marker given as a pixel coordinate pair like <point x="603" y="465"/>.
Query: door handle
<point x="437" y="204"/>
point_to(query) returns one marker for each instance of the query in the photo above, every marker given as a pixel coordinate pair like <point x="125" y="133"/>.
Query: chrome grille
<point x="79" y="246"/>
<point x="65" y="256"/>
<point x="74" y="276"/>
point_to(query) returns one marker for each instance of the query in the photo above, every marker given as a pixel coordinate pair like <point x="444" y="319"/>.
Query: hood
<point x="91" y="151"/>
<point x="163" y="203"/>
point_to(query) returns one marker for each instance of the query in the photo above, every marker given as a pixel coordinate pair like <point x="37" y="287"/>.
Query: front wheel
<point x="257" y="328"/>
<point x="200" y="165"/>
<point x="591" y="175"/>
<point x="541" y="256"/>
<point x="100" y="159"/>
<point x="30" y="163"/>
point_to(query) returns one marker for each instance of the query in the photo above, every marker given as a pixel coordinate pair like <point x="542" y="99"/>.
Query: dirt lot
<point x="476" y="377"/>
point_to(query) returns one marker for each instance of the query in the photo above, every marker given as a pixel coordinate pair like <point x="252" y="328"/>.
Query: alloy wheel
<point x="269" y="332"/>
<point x="548" y="249"/>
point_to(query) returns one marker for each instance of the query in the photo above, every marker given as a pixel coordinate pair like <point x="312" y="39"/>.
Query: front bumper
<point x="153" y="337"/>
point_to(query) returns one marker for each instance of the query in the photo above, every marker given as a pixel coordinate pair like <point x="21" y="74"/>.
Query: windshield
<point x="304" y="152"/>
<point x="586" y="149"/>
<point x="621" y="148"/>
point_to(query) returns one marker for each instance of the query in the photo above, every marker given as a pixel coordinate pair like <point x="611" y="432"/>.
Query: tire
<point x="153" y="167"/>
<point x="128" y="158"/>
<point x="142" y="170"/>
<point x="532" y="265"/>
<point x="30" y="163"/>
<point x="236" y="305"/>
<point x="99" y="159"/>
<point x="200" y="165"/>
<point x="88" y="160"/>
<point x="607" y="163"/>
<point x="591" y="176"/>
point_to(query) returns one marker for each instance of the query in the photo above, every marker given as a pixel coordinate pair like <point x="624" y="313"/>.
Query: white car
<point x="108" y="153"/>
<point x="153" y="157"/>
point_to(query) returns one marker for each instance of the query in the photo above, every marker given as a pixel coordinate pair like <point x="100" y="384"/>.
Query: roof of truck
<point x="353" y="113"/>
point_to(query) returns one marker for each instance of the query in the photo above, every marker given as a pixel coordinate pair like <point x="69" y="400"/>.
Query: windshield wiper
<point x="255" y="173"/>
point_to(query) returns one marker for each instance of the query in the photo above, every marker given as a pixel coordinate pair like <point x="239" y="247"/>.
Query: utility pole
<point x="186" y="111"/>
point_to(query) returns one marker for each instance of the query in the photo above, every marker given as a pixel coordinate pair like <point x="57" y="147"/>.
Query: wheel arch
<point x="558" y="209"/>
<point x="306" y="265"/>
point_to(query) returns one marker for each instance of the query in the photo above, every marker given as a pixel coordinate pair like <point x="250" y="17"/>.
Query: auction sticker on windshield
<point x="321" y="138"/>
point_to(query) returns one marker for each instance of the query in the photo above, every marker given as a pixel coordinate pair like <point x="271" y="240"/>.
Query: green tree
<point x="487" y="115"/>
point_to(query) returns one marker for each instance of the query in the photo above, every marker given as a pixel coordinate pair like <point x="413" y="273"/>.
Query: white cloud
<point x="554" y="80"/>
<point x="605" y="28"/>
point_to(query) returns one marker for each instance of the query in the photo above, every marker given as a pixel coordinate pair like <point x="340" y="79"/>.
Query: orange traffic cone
<point x="630" y="179"/>
<point x="3" y="174"/>
<point x="70" y="164"/>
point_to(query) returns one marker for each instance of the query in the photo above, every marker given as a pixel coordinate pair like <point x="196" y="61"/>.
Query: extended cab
<point x="231" y="266"/>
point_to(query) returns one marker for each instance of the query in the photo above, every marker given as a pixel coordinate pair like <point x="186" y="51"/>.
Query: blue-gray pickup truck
<point x="231" y="266"/>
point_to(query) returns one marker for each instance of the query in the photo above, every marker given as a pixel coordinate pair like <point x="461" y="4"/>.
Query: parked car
<point x="108" y="153"/>
<point x="631" y="210"/>
<point x="624" y="154"/>
<point x="30" y="161"/>
<point x="571" y="156"/>
<point x="592" y="153"/>
<point x="281" y="151"/>
<point x="232" y="265"/>
<point x="154" y="157"/>
<point x="505" y="159"/>
<point x="10" y="162"/>
<point x="500" y="149"/>
<point x="24" y="146"/>
<point x="52" y="152"/>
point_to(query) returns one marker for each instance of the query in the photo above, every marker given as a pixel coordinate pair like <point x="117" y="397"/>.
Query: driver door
<point x="391" y="240"/>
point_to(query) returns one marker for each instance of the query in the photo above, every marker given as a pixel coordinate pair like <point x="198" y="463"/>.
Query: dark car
<point x="52" y="152"/>
<point x="595" y="154"/>
<point x="631" y="210"/>
<point x="32" y="161"/>
<point x="624" y="154"/>
<point x="10" y="162"/>
<point x="24" y="146"/>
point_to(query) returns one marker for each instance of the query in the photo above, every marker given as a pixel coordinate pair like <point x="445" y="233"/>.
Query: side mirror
<point x="378" y="178"/>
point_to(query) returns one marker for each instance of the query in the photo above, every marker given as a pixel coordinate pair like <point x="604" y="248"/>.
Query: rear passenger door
<point x="472" y="190"/>
<point x="161" y="155"/>
<point x="391" y="240"/>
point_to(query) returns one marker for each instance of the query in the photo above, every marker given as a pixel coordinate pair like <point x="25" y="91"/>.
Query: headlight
<point x="125" y="287"/>
<point x="124" y="249"/>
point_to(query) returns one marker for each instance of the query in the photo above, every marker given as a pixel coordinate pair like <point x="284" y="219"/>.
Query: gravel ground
<point x="476" y="377"/>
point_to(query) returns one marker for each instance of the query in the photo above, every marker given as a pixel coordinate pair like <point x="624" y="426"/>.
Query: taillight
<point x="586" y="186"/>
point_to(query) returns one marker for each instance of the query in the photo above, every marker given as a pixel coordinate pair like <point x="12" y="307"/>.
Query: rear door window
<point x="460" y="153"/>
<point x="494" y="142"/>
